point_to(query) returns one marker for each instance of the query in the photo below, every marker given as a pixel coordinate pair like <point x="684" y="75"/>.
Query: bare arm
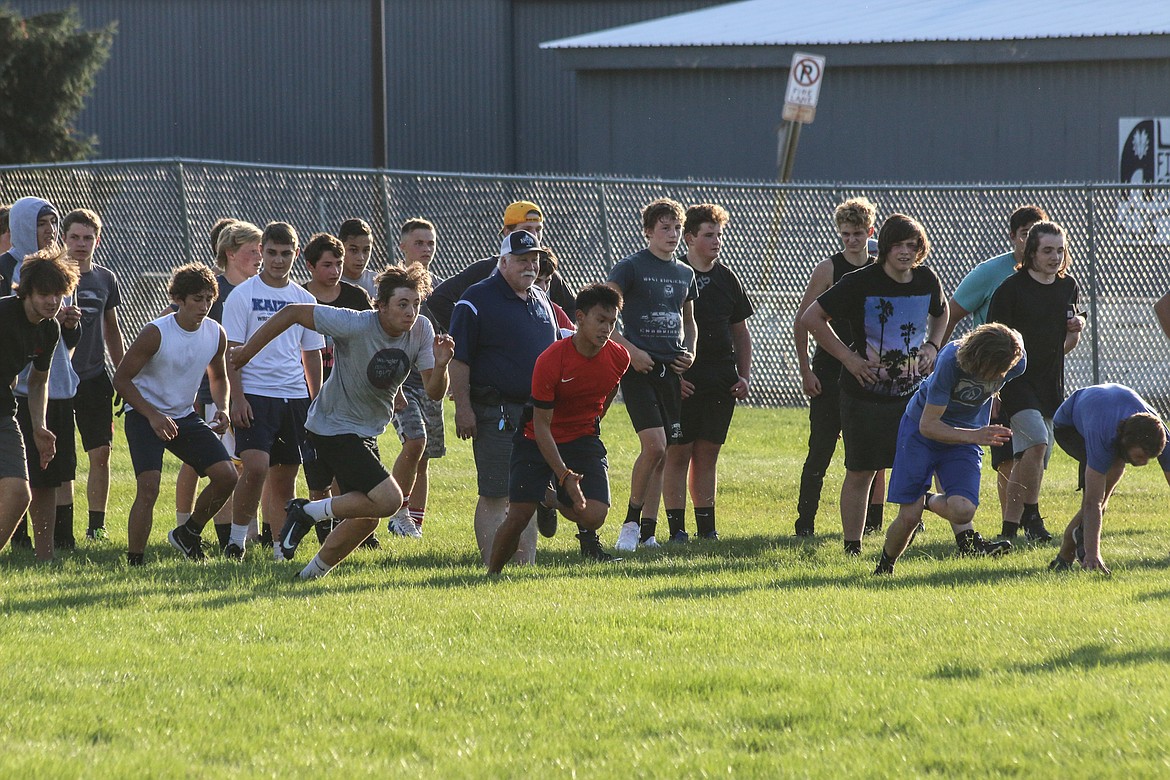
<point x="690" y="339"/>
<point x="1093" y="512"/>
<point x="113" y="333"/>
<point x="144" y="348"/>
<point x="570" y="480"/>
<point x="217" y="380"/>
<point x="741" y="340"/>
<point x="436" y="380"/>
<point x="1162" y="311"/>
<point x="465" y="427"/>
<point x="955" y="315"/>
<point x="311" y="361"/>
<point x="639" y="358"/>
<point x="816" y="320"/>
<point x="293" y="314"/>
<point x="935" y="328"/>
<point x="820" y="280"/>
<point x="38" y="402"/>
<point x="932" y="427"/>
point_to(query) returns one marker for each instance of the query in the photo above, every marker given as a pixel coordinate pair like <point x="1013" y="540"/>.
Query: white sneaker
<point x="402" y="524"/>
<point x="651" y="543"/>
<point x="627" y="540"/>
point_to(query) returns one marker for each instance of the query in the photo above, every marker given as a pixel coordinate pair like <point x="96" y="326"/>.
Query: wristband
<point x="931" y="343"/>
<point x="561" y="481"/>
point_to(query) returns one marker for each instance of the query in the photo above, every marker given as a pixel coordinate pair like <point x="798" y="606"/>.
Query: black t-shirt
<point x="350" y="297"/>
<point x="890" y="321"/>
<point x="22" y="343"/>
<point x="822" y="361"/>
<point x="722" y="302"/>
<point x="1040" y="312"/>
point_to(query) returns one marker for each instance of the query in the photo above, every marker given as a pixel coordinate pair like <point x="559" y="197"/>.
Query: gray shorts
<point x="495" y="426"/>
<point x="1030" y="428"/>
<point x="12" y="462"/>
<point x="422" y="418"/>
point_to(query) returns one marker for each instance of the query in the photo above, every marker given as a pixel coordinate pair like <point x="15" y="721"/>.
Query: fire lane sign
<point x="804" y="87"/>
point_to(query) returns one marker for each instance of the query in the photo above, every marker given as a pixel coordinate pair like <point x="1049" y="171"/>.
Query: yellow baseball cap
<point x="522" y="211"/>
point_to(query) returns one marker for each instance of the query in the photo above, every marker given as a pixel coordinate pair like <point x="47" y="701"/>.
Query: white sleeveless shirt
<point x="170" y="379"/>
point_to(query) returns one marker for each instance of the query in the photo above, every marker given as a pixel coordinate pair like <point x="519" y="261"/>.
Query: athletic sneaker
<point x="233" y="552"/>
<point x="1079" y="539"/>
<point x="885" y="564"/>
<point x="546" y="521"/>
<point x="1034" y="530"/>
<point x="971" y="543"/>
<point x="710" y="535"/>
<point x="650" y="543"/>
<point x="679" y="537"/>
<point x="627" y="540"/>
<point x="401" y="524"/>
<point x="297" y="523"/>
<point x="803" y="529"/>
<point x="1060" y="564"/>
<point x="97" y="535"/>
<point x="186" y="542"/>
<point x="591" y="548"/>
<point x="872" y="528"/>
<point x="370" y="543"/>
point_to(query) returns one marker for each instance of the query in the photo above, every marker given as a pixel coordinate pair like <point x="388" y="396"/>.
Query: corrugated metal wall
<point x="283" y="81"/>
<point x="989" y="123"/>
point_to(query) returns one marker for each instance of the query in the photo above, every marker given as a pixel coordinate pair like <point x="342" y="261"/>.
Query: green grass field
<point x="759" y="655"/>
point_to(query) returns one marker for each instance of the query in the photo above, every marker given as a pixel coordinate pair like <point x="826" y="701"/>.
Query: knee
<point x="654" y="452"/>
<point x="961" y="510"/>
<point x="413" y="448"/>
<point x="223" y="476"/>
<point x="99" y="457"/>
<point x="148" y="487"/>
<point x="593" y="518"/>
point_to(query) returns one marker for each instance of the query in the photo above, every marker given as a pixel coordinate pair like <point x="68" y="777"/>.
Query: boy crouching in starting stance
<point x="942" y="431"/>
<point x="158" y="378"/>
<point x="573" y="383"/>
<point x="373" y="353"/>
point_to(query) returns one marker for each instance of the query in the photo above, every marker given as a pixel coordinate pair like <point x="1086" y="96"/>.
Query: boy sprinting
<point x="374" y="352"/>
<point x="941" y="435"/>
<point x="158" y="378"/>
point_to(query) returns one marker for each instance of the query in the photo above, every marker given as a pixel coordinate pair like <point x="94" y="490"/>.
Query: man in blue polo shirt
<point x="500" y="326"/>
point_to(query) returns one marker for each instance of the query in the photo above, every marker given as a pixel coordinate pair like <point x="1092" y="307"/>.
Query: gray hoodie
<point x="22" y="221"/>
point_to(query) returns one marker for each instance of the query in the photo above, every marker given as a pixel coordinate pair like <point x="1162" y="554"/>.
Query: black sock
<point x="649" y="526"/>
<point x="223" y="532"/>
<point x="190" y="526"/>
<point x="266" y="535"/>
<point x="1031" y="513"/>
<point x="853" y="548"/>
<point x="926" y="503"/>
<point x="1009" y="529"/>
<point x="705" y="520"/>
<point x="20" y="533"/>
<point x="63" y="530"/>
<point x="677" y="520"/>
<point x="873" y="516"/>
<point x="97" y="519"/>
<point x="135" y="559"/>
<point x="885" y="564"/>
<point x="633" y="513"/>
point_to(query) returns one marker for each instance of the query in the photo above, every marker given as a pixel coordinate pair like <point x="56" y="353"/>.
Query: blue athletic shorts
<point x="919" y="459"/>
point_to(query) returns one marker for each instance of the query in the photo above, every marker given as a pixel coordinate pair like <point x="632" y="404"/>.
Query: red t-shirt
<point x="575" y="387"/>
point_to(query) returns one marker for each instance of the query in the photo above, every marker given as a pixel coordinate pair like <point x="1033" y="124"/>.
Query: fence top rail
<point x="598" y="179"/>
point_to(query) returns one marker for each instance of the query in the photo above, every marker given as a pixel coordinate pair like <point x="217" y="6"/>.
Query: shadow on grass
<point x="1085" y="657"/>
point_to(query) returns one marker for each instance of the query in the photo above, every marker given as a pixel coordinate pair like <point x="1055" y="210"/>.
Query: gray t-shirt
<point x="654" y="291"/>
<point x="97" y="293"/>
<point x="368" y="368"/>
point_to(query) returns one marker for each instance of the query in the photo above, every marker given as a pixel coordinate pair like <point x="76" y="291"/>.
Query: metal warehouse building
<point x="914" y="90"/>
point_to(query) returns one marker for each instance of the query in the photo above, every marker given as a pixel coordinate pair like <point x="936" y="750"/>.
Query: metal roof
<point x="801" y="23"/>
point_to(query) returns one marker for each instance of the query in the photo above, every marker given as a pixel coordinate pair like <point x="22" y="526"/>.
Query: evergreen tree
<point x="48" y="65"/>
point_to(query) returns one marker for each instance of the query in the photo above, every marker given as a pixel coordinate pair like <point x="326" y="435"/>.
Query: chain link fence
<point x="157" y="214"/>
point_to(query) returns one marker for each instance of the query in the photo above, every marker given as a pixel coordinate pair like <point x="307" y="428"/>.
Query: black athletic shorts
<point x="1073" y="443"/>
<point x="870" y="431"/>
<point x="58" y="419"/>
<point x="707" y="416"/>
<point x="529" y="473"/>
<point x="354" y="459"/>
<point x="654" y="400"/>
<point x="278" y="428"/>
<point x="94" y="408"/>
<point x="1004" y="454"/>
<point x="196" y="444"/>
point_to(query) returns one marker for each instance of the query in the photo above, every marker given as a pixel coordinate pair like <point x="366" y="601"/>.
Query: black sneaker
<point x="885" y="564"/>
<point x="971" y="543"/>
<point x="1034" y="530"/>
<point x="323" y="529"/>
<point x="297" y="523"/>
<point x="186" y="542"/>
<point x="679" y="537"/>
<point x="853" y="548"/>
<point x="872" y="528"/>
<point x="712" y="536"/>
<point x="546" y="521"/>
<point x="135" y="559"/>
<point x="23" y="541"/>
<point x="233" y="552"/>
<point x="804" y="530"/>
<point x="1079" y="539"/>
<point x="1060" y="564"/>
<point x="591" y="548"/>
<point x="370" y="543"/>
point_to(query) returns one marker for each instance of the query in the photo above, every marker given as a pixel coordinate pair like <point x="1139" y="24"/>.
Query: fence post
<point x="183" y="213"/>
<point x="384" y="189"/>
<point x="1093" y="282"/>
<point x="605" y="245"/>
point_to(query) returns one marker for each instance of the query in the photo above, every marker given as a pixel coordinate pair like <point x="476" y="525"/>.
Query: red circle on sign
<point x="806" y="72"/>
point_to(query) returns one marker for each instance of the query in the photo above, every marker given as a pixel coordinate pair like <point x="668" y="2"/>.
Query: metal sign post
<point x="800" y="106"/>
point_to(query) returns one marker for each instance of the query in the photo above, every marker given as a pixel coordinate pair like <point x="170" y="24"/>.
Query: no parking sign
<point x="804" y="87"/>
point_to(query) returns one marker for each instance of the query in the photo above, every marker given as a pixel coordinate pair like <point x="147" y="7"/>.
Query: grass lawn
<point x="758" y="655"/>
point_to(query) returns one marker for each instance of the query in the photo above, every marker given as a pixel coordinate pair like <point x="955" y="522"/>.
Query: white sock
<point x="239" y="535"/>
<point x="316" y="569"/>
<point x="321" y="509"/>
<point x="181" y="517"/>
<point x="277" y="555"/>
